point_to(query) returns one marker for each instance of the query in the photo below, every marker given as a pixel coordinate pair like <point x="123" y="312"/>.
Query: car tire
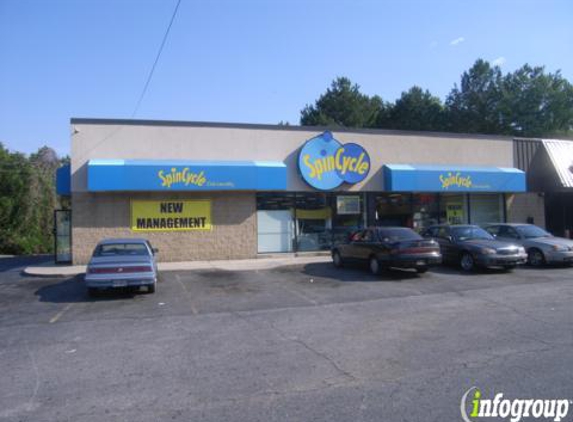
<point x="374" y="265"/>
<point x="337" y="260"/>
<point x="151" y="288"/>
<point x="467" y="262"/>
<point x="535" y="257"/>
<point x="92" y="291"/>
<point x="421" y="270"/>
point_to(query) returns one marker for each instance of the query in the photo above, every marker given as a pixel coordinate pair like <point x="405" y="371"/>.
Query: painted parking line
<point x="193" y="307"/>
<point x="59" y="314"/>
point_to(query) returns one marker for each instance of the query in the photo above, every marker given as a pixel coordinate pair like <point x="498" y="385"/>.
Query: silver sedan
<point x="542" y="247"/>
<point x="118" y="263"/>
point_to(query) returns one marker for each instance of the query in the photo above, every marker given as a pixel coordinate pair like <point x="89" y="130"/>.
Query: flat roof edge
<point x="297" y="128"/>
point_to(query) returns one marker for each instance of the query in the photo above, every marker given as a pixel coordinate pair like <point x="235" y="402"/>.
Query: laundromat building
<point x="206" y="191"/>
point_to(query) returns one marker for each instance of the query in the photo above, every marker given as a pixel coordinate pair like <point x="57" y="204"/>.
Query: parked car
<point x="118" y="263"/>
<point x="471" y="246"/>
<point x="541" y="247"/>
<point x="385" y="247"/>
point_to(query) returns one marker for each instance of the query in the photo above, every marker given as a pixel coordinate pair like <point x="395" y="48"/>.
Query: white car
<point x="119" y="263"/>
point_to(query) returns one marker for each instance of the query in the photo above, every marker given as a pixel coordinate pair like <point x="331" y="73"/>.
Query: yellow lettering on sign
<point x="171" y="215"/>
<point x="184" y="176"/>
<point x="455" y="179"/>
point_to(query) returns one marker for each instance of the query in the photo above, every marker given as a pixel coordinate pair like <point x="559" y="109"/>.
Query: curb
<point x="235" y="265"/>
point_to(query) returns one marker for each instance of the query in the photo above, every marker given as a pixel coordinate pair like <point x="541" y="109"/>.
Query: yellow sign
<point x="170" y="215"/>
<point x="455" y="213"/>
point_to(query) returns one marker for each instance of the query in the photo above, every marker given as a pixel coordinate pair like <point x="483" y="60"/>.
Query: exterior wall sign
<point x="171" y="215"/>
<point x="324" y="163"/>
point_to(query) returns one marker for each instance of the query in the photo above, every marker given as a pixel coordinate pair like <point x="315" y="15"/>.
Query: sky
<point x="249" y="61"/>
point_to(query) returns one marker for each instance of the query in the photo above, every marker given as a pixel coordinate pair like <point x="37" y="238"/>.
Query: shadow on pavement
<point x="357" y="273"/>
<point x="18" y="263"/>
<point x="73" y="290"/>
<point x="454" y="270"/>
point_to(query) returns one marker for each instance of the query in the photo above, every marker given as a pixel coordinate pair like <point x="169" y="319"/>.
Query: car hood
<point x="485" y="243"/>
<point x="120" y="260"/>
<point x="549" y="241"/>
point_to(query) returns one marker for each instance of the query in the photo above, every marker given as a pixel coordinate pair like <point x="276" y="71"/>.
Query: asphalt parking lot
<point x="295" y="343"/>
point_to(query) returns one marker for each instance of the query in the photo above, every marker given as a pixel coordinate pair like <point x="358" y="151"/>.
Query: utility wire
<point x="118" y="129"/>
<point x="156" y="60"/>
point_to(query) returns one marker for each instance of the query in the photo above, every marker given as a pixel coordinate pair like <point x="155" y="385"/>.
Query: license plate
<point x="420" y="262"/>
<point x="119" y="283"/>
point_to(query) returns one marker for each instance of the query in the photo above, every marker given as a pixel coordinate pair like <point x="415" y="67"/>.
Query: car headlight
<point x="488" y="251"/>
<point x="559" y="248"/>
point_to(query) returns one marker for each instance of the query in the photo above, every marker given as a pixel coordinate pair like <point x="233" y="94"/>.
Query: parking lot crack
<point x="306" y="346"/>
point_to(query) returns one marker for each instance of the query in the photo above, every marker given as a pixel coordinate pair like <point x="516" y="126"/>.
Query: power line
<point x="118" y="129"/>
<point x="156" y="60"/>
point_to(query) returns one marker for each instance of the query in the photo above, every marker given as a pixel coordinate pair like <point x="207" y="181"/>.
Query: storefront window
<point x="425" y="207"/>
<point x="393" y="209"/>
<point x="348" y="215"/>
<point x="453" y="209"/>
<point x="486" y="208"/>
<point x="275" y="224"/>
<point x="313" y="222"/>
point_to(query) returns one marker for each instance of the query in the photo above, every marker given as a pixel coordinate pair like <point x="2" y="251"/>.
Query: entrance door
<point x="62" y="236"/>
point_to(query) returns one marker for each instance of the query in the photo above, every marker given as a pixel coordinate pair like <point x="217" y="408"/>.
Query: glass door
<point x="63" y="236"/>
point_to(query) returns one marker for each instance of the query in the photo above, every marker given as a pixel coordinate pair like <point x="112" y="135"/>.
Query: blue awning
<point x="180" y="175"/>
<point x="425" y="178"/>
<point x="63" y="180"/>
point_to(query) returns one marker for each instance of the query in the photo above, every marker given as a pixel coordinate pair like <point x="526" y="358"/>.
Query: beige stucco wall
<point x="520" y="206"/>
<point x="108" y="141"/>
<point x="101" y="215"/>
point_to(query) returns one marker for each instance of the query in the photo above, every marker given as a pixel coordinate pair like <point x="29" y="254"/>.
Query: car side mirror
<point x="450" y="239"/>
<point x="155" y="250"/>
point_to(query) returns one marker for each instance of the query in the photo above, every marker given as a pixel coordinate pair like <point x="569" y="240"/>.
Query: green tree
<point x="536" y="104"/>
<point x="474" y="107"/>
<point x="27" y="201"/>
<point x="15" y="174"/>
<point x="417" y="110"/>
<point x="343" y="105"/>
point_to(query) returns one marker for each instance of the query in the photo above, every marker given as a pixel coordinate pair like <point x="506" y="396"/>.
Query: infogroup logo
<point x="512" y="409"/>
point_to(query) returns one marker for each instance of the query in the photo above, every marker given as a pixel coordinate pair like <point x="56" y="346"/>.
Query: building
<point x="227" y="191"/>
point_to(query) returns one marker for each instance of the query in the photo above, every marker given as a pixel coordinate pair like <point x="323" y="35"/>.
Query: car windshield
<point x="470" y="233"/>
<point x="530" y="232"/>
<point x="396" y="235"/>
<point x="121" y="249"/>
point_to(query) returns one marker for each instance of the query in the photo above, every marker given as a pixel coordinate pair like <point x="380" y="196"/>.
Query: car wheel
<point x="535" y="257"/>
<point x="467" y="262"/>
<point x="421" y="270"/>
<point x="337" y="259"/>
<point x="151" y="288"/>
<point x="92" y="291"/>
<point x="375" y="265"/>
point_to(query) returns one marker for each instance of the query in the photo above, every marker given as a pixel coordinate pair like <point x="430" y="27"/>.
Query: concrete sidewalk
<point x="263" y="263"/>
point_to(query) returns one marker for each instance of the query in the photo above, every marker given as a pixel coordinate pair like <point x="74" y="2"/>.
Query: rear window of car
<point x="395" y="235"/>
<point x="121" y="249"/>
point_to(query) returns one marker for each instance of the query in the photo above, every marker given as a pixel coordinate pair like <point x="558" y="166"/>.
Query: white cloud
<point x="500" y="61"/>
<point x="457" y="41"/>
